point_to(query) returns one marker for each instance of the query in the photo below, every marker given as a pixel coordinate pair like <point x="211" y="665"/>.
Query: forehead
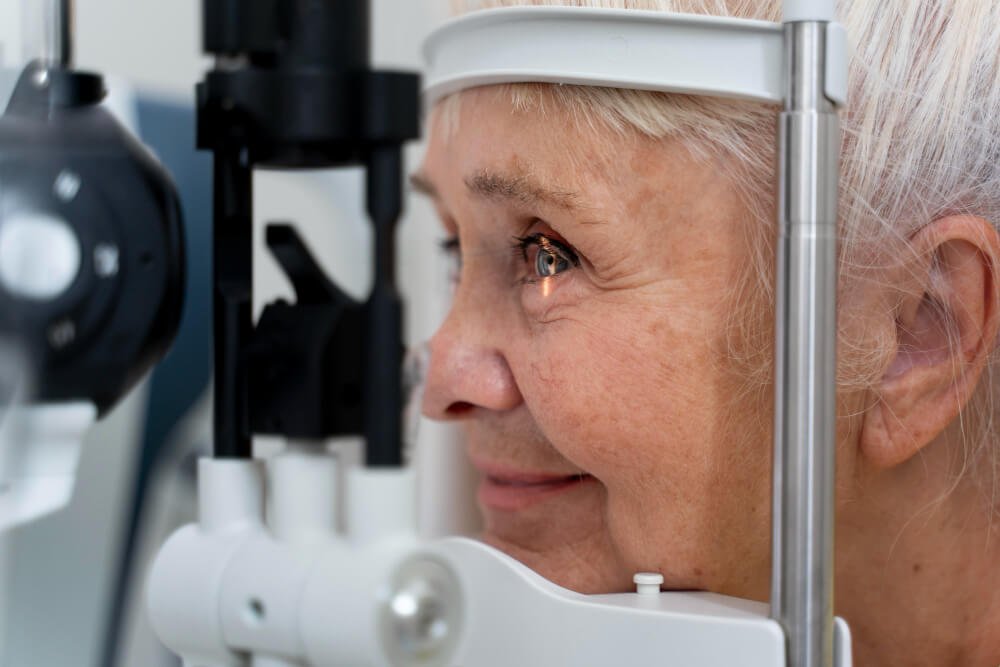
<point x="562" y="147"/>
<point x="489" y="128"/>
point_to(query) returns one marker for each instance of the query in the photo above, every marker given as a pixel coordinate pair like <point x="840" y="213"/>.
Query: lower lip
<point x="500" y="495"/>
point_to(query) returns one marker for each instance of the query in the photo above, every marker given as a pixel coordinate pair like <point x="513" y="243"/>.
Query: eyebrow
<point x="518" y="187"/>
<point x="420" y="183"/>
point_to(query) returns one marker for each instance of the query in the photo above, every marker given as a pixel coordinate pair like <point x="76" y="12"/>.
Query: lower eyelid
<point x="543" y="307"/>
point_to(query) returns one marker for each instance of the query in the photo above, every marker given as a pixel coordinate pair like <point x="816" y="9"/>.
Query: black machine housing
<point x="292" y="88"/>
<point x="97" y="338"/>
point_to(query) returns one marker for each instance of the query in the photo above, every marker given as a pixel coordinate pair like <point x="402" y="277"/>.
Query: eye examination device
<point x="301" y="558"/>
<point x="91" y="274"/>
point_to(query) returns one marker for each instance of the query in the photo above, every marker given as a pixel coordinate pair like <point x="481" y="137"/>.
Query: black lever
<point x="305" y="359"/>
<point x="308" y="278"/>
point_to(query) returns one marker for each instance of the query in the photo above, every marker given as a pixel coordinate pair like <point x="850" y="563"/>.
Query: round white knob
<point x="39" y="256"/>
<point x="648" y="583"/>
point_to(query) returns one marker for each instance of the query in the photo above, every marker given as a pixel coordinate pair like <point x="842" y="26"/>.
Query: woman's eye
<point x="452" y="250"/>
<point x="548" y="256"/>
<point x="550" y="263"/>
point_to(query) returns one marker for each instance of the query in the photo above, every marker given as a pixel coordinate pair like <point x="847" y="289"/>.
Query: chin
<point x="564" y="539"/>
<point x="563" y="569"/>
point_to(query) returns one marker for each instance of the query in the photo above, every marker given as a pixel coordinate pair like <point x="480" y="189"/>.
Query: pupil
<point x="549" y="264"/>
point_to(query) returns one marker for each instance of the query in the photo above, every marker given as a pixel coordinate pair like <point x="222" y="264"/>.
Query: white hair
<point x="921" y="140"/>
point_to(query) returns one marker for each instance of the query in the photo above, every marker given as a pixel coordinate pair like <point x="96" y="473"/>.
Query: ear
<point x="946" y="323"/>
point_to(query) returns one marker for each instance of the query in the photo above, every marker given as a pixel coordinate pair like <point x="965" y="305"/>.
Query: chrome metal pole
<point x="58" y="36"/>
<point x="805" y="353"/>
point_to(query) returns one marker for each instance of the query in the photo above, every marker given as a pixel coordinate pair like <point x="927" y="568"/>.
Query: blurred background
<point x="71" y="584"/>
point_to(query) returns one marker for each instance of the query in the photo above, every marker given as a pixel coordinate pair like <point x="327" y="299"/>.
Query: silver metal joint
<point x="421" y="619"/>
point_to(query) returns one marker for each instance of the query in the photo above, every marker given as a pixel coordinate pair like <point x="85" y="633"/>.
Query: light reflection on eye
<point x="550" y="257"/>
<point x="549" y="261"/>
<point x="545" y="258"/>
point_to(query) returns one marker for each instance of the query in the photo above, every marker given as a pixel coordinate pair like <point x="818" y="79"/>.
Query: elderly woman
<point x="609" y="346"/>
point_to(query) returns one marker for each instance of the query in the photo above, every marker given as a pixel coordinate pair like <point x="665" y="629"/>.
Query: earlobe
<point x="946" y="326"/>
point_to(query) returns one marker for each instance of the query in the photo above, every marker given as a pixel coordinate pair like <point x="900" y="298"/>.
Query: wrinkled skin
<point x="615" y="367"/>
<point x="599" y="358"/>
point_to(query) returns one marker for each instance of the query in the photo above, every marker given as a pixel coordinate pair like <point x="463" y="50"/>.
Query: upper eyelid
<point x="536" y="239"/>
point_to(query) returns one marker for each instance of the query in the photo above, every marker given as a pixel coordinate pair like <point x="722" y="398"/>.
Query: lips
<point x="512" y="490"/>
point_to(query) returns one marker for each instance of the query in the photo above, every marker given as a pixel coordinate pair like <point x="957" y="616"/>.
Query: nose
<point x="468" y="370"/>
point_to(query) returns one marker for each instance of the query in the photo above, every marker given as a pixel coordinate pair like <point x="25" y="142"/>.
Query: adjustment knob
<point x="40" y="256"/>
<point x="647" y="583"/>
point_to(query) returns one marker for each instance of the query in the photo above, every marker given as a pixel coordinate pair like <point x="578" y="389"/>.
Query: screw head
<point x="67" y="185"/>
<point x="62" y="334"/>
<point x="106" y="260"/>
<point x="422" y="615"/>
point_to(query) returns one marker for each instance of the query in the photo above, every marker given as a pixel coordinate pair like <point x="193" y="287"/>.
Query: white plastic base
<point x="290" y="591"/>
<point x="234" y="591"/>
<point x="515" y="617"/>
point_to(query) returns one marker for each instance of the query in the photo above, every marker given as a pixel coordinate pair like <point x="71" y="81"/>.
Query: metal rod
<point x="805" y="354"/>
<point x="57" y="49"/>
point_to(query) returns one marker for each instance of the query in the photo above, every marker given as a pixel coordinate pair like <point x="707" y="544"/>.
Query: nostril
<point x="459" y="409"/>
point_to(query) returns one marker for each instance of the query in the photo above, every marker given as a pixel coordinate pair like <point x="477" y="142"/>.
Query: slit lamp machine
<point x="266" y="577"/>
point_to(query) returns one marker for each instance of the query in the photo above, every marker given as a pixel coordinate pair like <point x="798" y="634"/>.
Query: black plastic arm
<point x="293" y="88"/>
<point x="308" y="279"/>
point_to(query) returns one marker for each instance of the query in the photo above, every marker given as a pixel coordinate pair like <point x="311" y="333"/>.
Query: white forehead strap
<point x="644" y="50"/>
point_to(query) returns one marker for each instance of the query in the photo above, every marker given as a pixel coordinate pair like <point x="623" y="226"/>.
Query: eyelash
<point x="522" y="243"/>
<point x="544" y="244"/>
<point x="451" y="247"/>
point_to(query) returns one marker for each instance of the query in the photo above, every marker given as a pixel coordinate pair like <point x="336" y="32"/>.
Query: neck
<point x="918" y="571"/>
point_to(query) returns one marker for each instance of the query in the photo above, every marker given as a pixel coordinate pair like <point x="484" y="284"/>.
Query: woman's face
<point x="587" y="352"/>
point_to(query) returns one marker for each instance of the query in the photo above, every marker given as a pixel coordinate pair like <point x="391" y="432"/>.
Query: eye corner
<point x="450" y="244"/>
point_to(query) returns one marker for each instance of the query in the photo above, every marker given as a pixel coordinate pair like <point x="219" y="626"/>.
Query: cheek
<point x="645" y="406"/>
<point x="624" y="397"/>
